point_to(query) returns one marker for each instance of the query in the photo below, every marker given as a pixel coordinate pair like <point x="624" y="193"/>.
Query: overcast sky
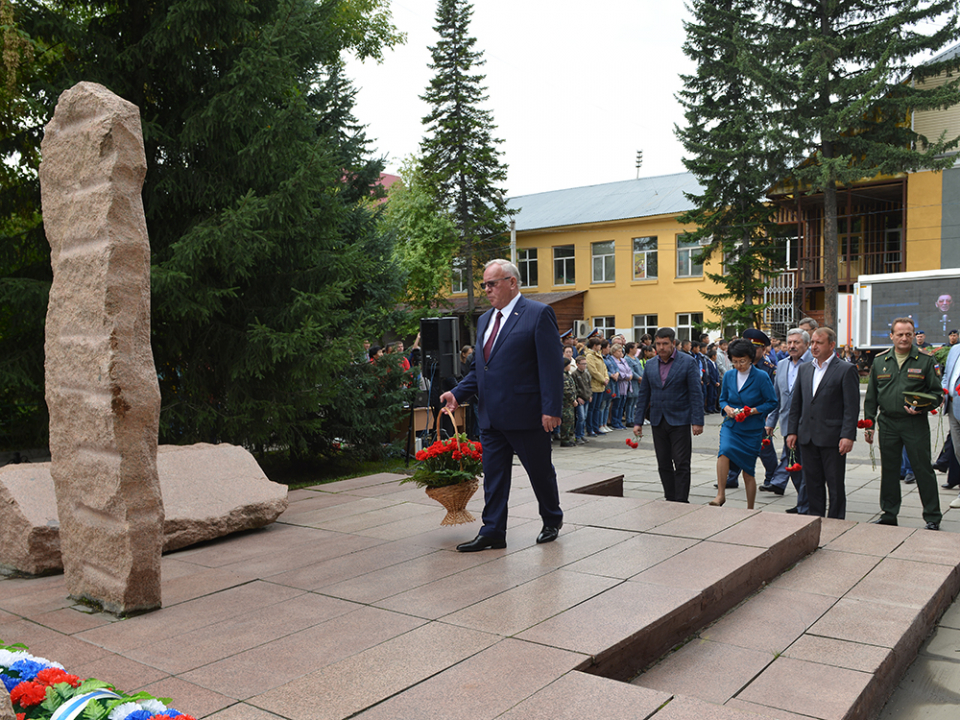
<point x="575" y="90"/>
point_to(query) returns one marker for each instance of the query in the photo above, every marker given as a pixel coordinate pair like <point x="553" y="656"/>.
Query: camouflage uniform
<point x="568" y="419"/>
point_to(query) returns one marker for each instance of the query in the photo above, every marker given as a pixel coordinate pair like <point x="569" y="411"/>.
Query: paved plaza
<point x="356" y="604"/>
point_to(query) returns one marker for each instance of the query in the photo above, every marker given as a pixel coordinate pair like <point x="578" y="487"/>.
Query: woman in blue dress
<point x="743" y="386"/>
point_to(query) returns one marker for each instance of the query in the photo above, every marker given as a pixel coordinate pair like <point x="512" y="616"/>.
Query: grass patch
<point x="298" y="475"/>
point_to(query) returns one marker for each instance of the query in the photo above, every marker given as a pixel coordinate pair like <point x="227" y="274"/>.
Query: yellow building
<point x="614" y="255"/>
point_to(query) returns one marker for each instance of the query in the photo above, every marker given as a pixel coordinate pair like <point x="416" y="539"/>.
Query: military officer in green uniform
<point x="903" y="369"/>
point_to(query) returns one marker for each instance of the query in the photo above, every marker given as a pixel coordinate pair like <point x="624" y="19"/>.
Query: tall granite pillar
<point x="101" y="383"/>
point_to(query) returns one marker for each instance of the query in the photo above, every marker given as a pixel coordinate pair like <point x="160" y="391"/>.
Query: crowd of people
<point x="529" y="384"/>
<point x="804" y="384"/>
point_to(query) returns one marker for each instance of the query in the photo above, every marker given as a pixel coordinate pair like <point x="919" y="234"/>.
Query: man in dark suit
<point x="823" y="419"/>
<point x="672" y="391"/>
<point x="518" y="378"/>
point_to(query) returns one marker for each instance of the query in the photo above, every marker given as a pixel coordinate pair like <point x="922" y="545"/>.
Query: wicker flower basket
<point x="455" y="498"/>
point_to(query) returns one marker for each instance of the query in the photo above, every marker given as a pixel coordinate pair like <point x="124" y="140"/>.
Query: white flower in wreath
<point x="122" y="710"/>
<point x="153" y="706"/>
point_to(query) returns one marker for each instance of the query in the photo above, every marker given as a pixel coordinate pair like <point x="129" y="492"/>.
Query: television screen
<point x="932" y="303"/>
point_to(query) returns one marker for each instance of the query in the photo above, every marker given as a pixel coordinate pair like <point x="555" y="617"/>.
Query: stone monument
<point x="6" y="707"/>
<point x="101" y="383"/>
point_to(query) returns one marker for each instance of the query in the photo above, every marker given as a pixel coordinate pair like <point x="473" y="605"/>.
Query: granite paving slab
<point x="578" y="695"/>
<point x="787" y="684"/>
<point x="711" y="671"/>
<point x="388" y="668"/>
<point x="481" y="687"/>
<point x="364" y="609"/>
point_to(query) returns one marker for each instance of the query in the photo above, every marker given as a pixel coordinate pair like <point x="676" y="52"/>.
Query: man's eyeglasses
<point x="491" y="283"/>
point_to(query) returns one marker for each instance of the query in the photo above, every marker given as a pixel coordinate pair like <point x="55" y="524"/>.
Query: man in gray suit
<point x="672" y="397"/>
<point x="798" y="353"/>
<point x="823" y="421"/>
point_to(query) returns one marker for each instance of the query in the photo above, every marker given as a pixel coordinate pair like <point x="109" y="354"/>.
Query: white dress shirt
<point x="819" y="370"/>
<point x="505" y="313"/>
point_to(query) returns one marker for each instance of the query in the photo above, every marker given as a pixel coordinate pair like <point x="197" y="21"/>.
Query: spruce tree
<point x="732" y="148"/>
<point x="460" y="158"/>
<point x="841" y="71"/>
<point x="267" y="261"/>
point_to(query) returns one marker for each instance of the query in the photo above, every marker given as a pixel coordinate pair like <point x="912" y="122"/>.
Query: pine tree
<point x="460" y="158"/>
<point x="732" y="148"/>
<point x="266" y="254"/>
<point x="839" y="72"/>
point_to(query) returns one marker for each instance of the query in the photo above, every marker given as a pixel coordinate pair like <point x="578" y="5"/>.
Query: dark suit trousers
<point x="533" y="449"/>
<point x="673" y="445"/>
<point x="824" y="469"/>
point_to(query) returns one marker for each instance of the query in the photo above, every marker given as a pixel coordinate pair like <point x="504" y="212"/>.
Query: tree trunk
<point x="830" y="254"/>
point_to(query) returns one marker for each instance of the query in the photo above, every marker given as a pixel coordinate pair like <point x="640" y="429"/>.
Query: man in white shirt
<point x="823" y="422"/>
<point x="798" y="353"/>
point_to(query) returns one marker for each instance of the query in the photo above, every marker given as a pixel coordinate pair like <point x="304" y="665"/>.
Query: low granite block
<point x="208" y="491"/>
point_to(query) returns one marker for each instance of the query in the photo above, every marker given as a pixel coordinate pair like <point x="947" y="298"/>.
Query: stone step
<point x="831" y="637"/>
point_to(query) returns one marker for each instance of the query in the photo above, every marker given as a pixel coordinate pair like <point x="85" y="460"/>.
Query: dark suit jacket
<point x="679" y="401"/>
<point x="832" y="413"/>
<point x="523" y="379"/>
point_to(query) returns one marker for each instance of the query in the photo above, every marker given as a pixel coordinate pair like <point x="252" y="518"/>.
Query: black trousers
<point x="824" y="470"/>
<point x="673" y="445"/>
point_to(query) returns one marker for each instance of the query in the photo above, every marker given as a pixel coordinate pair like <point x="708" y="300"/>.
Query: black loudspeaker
<point x="440" y="341"/>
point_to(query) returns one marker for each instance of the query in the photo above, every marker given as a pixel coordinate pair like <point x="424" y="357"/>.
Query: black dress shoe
<point x="549" y="534"/>
<point x="772" y="488"/>
<point x="948" y="486"/>
<point x="482" y="542"/>
<point x="933" y="526"/>
<point x="884" y="521"/>
<point x="792" y="511"/>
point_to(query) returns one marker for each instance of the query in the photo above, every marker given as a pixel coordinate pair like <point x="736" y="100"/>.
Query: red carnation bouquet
<point x="743" y="413"/>
<point x="794" y="466"/>
<point x="448" y="462"/>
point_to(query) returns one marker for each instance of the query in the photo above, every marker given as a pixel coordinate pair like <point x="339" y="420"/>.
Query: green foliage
<point x="461" y="162"/>
<point x="726" y="112"/>
<point x="839" y="71"/>
<point x="425" y="239"/>
<point x="267" y="259"/>
<point x="448" y="462"/>
<point x="367" y="405"/>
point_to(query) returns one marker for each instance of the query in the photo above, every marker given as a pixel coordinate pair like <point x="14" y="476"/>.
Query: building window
<point x="644" y="325"/>
<point x="606" y="325"/>
<point x="527" y="264"/>
<point x="564" y="267"/>
<point x="687" y="250"/>
<point x="458" y="276"/>
<point x="689" y="325"/>
<point x="645" y="258"/>
<point x="603" y="262"/>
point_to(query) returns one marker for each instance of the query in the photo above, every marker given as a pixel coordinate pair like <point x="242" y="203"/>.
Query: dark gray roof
<point x="948" y="54"/>
<point x="663" y="195"/>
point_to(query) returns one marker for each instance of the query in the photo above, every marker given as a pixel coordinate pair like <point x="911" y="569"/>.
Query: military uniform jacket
<point x="888" y="382"/>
